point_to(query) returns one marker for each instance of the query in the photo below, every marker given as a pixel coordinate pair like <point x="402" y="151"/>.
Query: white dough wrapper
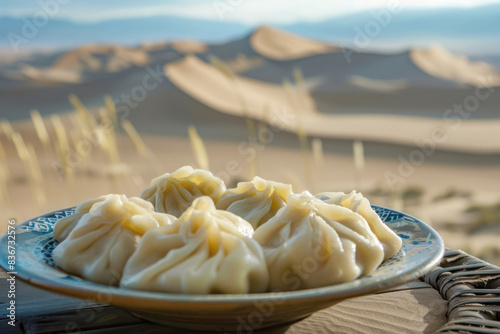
<point x="204" y="251"/>
<point x="357" y="203"/>
<point x="173" y="193"/>
<point x="101" y="240"/>
<point x="256" y="201"/>
<point x="311" y="244"/>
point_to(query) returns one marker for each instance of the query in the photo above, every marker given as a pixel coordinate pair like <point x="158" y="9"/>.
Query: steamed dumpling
<point x="65" y="225"/>
<point x="204" y="251"/>
<point x="357" y="203"/>
<point x="256" y="201"/>
<point x="310" y="244"/>
<point x="173" y="193"/>
<point x="103" y="235"/>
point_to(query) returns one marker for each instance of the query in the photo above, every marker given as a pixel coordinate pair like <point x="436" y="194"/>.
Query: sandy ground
<point x="285" y="164"/>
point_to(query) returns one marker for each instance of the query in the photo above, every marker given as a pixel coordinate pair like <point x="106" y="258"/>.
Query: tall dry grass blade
<point x="7" y="128"/>
<point x="40" y="129"/>
<point x="4" y="185"/>
<point x="3" y="162"/>
<point x="317" y="148"/>
<point x="20" y="146"/>
<point x="108" y="129"/>
<point x="33" y="173"/>
<point x="198" y="147"/>
<point x="263" y="132"/>
<point x="36" y="172"/>
<point x="80" y="108"/>
<point x="111" y="108"/>
<point x="135" y="137"/>
<point x="301" y="88"/>
<point x="4" y="176"/>
<point x="62" y="147"/>
<point x="83" y="112"/>
<point x="359" y="161"/>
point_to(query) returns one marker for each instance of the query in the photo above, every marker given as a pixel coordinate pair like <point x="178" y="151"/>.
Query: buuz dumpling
<point x="100" y="237"/>
<point x="256" y="201"/>
<point x="173" y="193"/>
<point x="357" y="203"/>
<point x="204" y="251"/>
<point x="310" y="244"/>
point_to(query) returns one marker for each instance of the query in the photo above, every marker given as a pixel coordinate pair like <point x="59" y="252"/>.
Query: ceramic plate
<point x="422" y="249"/>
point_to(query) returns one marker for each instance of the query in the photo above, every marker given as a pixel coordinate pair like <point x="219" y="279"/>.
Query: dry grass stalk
<point x="62" y="147"/>
<point x="199" y="150"/>
<point x="3" y="162"/>
<point x="111" y="108"/>
<point x="136" y="139"/>
<point x="40" y="129"/>
<point x="359" y="161"/>
<point x="36" y="172"/>
<point x="317" y="148"/>
<point x="300" y="88"/>
<point x="7" y="128"/>
<point x="108" y="130"/>
<point x="79" y="106"/>
<point x="20" y="146"/>
<point x="83" y="112"/>
<point x="31" y="166"/>
<point x="4" y="185"/>
<point x="4" y="176"/>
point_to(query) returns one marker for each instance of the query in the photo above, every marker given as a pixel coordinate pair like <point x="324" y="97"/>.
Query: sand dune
<point x="335" y="70"/>
<point x="106" y="58"/>
<point x="45" y="75"/>
<point x="443" y="64"/>
<point x="277" y="44"/>
<point x="208" y="85"/>
<point x="188" y="46"/>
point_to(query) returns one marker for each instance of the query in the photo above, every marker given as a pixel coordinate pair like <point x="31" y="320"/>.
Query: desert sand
<point x="280" y="45"/>
<point x="249" y="98"/>
<point x="396" y="105"/>
<point x="443" y="64"/>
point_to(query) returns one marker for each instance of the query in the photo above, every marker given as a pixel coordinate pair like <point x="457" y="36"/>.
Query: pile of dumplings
<point x="187" y="234"/>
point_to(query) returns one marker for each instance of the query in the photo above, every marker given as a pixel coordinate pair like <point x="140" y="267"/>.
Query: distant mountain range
<point x="473" y="31"/>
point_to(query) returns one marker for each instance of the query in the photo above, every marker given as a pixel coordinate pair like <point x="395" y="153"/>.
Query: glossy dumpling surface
<point x="173" y="193"/>
<point x="360" y="204"/>
<point x="310" y="244"/>
<point x="102" y="240"/>
<point x="256" y="201"/>
<point x="204" y="251"/>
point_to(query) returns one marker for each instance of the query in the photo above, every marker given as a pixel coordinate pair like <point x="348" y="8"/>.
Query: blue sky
<point x="250" y="12"/>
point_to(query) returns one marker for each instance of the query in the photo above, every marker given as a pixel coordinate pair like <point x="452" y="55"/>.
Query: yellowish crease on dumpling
<point x="357" y="203"/>
<point x="204" y="251"/>
<point x="256" y="201"/>
<point x="101" y="236"/>
<point x="173" y="193"/>
<point x="310" y="244"/>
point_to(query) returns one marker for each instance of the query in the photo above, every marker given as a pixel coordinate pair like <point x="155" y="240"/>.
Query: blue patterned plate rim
<point x="422" y="250"/>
